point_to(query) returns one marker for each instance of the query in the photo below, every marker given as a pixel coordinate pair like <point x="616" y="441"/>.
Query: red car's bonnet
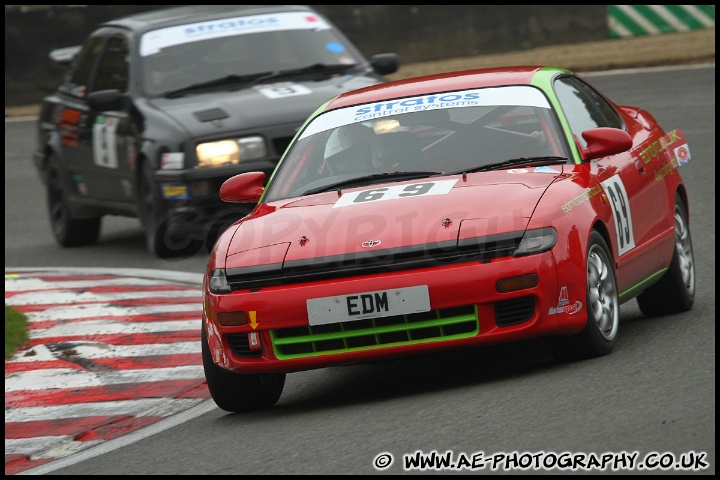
<point x="319" y="225"/>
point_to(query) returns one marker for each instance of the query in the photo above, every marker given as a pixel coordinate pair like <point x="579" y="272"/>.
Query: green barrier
<point x="637" y="20"/>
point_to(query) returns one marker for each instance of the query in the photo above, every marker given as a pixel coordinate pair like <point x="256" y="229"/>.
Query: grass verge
<point x="15" y="331"/>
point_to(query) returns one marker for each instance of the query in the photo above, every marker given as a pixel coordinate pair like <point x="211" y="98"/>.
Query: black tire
<point x="600" y="334"/>
<point x="236" y="392"/>
<point x="675" y="291"/>
<point x="158" y="224"/>
<point x="68" y="231"/>
<point x="149" y="205"/>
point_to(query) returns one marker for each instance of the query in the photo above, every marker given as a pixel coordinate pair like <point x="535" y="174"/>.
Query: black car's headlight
<point x="536" y="241"/>
<point x="226" y="152"/>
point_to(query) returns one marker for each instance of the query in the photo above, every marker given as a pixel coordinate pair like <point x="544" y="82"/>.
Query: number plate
<point x="359" y="306"/>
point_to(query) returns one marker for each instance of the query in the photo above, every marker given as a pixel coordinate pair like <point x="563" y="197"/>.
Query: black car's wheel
<point x="159" y="226"/>
<point x="68" y="231"/>
<point x="603" y="308"/>
<point x="149" y="205"/>
<point x="675" y="291"/>
<point x="235" y="392"/>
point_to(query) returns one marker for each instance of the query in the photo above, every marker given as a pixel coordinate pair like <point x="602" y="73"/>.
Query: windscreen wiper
<point x="514" y="162"/>
<point x="374" y="178"/>
<point x="217" y="82"/>
<point x="324" y="68"/>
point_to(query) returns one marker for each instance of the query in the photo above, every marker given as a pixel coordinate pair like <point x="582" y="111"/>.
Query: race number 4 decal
<point x="617" y="194"/>
<point x="104" y="151"/>
<point x="281" y="90"/>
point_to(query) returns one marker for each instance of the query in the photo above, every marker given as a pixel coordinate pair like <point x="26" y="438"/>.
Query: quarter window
<point x="584" y="107"/>
<point x="112" y="71"/>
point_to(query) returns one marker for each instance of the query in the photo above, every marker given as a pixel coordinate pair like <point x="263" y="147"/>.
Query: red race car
<point x="446" y="212"/>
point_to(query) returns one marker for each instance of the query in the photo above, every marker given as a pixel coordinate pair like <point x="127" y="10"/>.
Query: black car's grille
<point x="512" y="312"/>
<point x="337" y="338"/>
<point x="380" y="261"/>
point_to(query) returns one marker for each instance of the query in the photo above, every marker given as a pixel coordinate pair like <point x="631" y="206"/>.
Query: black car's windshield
<point x="226" y="81"/>
<point x="177" y="62"/>
<point x="229" y="81"/>
<point x="314" y="69"/>
<point x="405" y="139"/>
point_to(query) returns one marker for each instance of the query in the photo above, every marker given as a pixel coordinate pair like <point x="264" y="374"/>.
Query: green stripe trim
<point x="639" y="287"/>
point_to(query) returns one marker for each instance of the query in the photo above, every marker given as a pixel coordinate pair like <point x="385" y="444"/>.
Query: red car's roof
<point x="488" y="77"/>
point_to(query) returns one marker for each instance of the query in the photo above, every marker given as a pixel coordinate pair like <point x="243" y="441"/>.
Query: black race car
<point x="158" y="109"/>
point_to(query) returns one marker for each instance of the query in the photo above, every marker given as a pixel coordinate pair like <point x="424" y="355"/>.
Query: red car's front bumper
<point x="466" y="310"/>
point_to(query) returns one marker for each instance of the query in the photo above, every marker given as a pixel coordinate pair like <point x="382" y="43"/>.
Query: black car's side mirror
<point x="385" y="63"/>
<point x="65" y="56"/>
<point x="105" y="100"/>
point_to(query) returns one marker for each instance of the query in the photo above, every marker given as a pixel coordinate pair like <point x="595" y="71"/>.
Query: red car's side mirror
<point x="243" y="188"/>
<point x="605" y="141"/>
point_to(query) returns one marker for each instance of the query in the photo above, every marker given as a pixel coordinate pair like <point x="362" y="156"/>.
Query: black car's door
<point x="109" y="155"/>
<point x="96" y="144"/>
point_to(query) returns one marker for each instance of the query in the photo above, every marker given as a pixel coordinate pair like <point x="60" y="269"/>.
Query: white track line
<point x="70" y="378"/>
<point x="76" y="296"/>
<point x="77" y="312"/>
<point x="147" y="407"/>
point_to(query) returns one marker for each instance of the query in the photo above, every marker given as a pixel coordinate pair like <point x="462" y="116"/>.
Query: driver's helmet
<point x="167" y="61"/>
<point x="352" y="148"/>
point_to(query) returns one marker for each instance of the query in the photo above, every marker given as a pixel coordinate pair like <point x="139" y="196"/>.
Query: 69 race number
<point x="615" y="190"/>
<point x="393" y="192"/>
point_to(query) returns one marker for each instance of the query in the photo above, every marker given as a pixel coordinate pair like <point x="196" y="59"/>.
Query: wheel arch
<point x="683" y="194"/>
<point x="602" y="229"/>
<point x="50" y="148"/>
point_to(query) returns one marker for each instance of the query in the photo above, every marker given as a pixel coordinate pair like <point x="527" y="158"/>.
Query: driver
<point x="166" y="68"/>
<point x="352" y="148"/>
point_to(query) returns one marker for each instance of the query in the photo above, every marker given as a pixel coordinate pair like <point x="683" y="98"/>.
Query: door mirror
<point x="105" y="100"/>
<point x="605" y="141"/>
<point x="244" y="188"/>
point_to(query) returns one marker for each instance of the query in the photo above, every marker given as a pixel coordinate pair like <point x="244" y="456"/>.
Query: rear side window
<point x="584" y="107"/>
<point x="113" y="68"/>
<point x="81" y="73"/>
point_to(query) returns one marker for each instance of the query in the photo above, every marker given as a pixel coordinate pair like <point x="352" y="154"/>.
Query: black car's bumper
<point x="194" y="214"/>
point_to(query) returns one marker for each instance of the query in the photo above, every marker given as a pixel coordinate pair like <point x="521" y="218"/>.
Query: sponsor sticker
<point x="154" y="41"/>
<point x="173" y="160"/>
<point x="682" y="154"/>
<point x="564" y="305"/>
<point x="175" y="191"/>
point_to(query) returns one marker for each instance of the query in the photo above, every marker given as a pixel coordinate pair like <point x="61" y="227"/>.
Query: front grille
<point x="240" y="346"/>
<point x="512" y="312"/>
<point x="375" y="262"/>
<point x="343" y="337"/>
